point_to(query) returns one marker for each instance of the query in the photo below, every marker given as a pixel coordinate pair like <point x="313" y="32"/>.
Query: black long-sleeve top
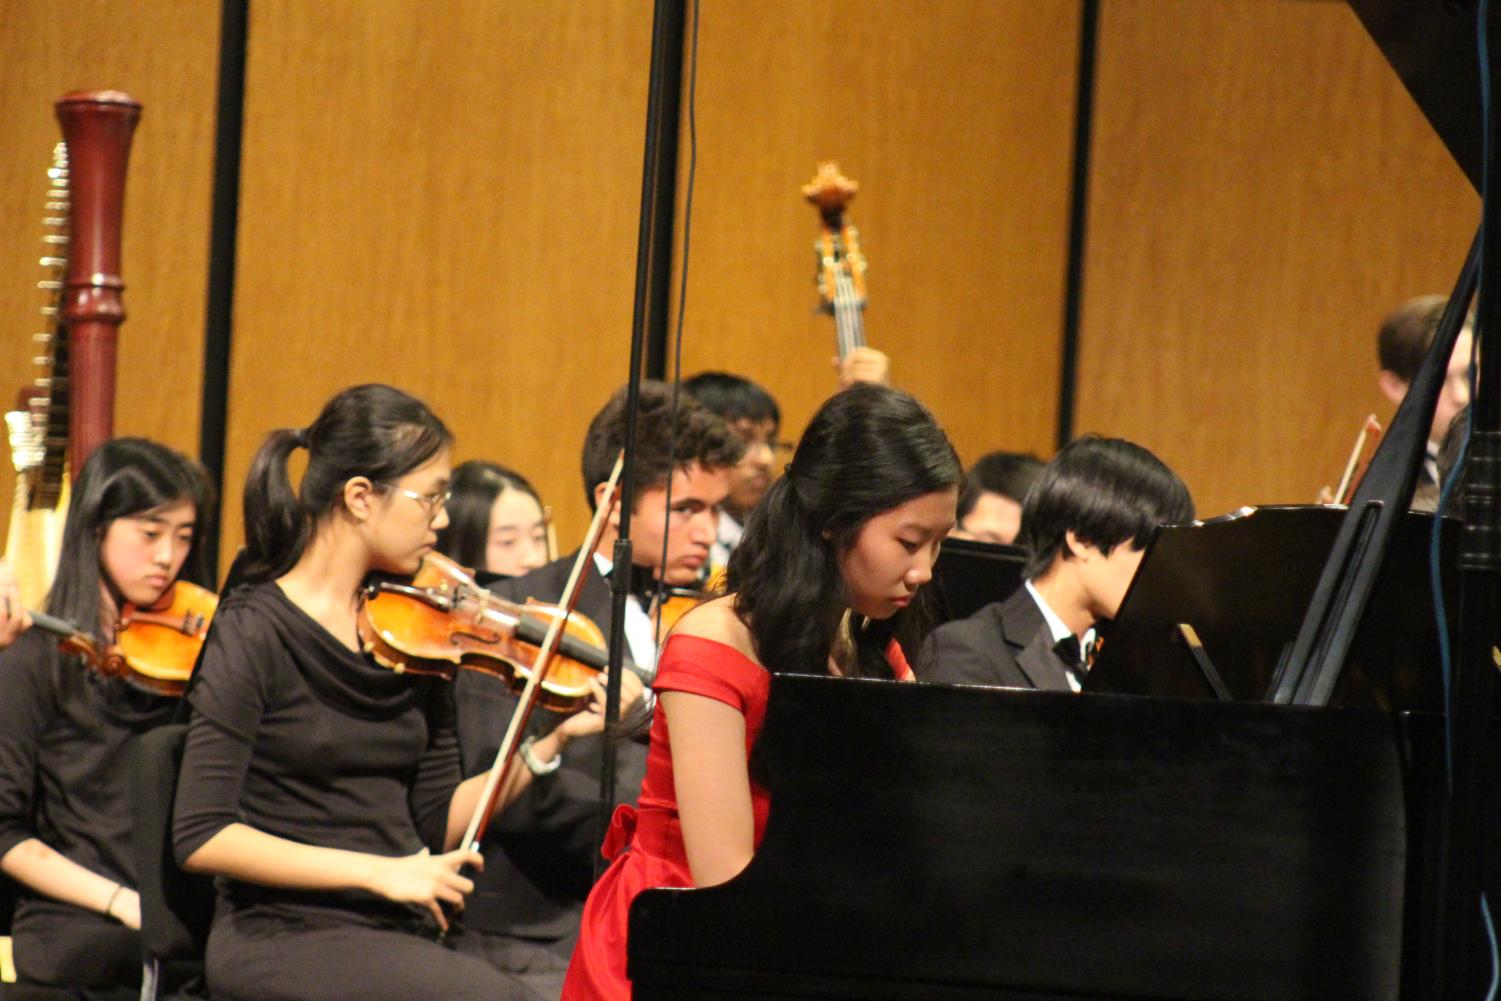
<point x="65" y="739"/>
<point x="300" y="737"/>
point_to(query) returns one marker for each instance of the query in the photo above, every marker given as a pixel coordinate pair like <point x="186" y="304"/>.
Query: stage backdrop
<point x="164" y="53"/>
<point x="444" y="195"/>
<point x="1263" y="193"/>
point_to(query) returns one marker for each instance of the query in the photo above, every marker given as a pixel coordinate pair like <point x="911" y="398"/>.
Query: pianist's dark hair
<point x="867" y="450"/>
<point x="1107" y="491"/>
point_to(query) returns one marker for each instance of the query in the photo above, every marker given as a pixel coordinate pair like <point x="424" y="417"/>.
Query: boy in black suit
<point x="539" y="854"/>
<point x="1085" y="524"/>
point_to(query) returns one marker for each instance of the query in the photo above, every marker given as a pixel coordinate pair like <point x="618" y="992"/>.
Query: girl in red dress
<point x="820" y="583"/>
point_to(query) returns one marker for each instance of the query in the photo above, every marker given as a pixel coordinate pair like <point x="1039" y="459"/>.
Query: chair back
<point x="176" y="907"/>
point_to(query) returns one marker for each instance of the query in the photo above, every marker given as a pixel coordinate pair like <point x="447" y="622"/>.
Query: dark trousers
<point x="60" y="945"/>
<point x="540" y="964"/>
<point x="345" y="963"/>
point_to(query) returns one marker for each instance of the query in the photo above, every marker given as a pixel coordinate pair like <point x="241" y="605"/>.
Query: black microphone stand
<point x="653" y="279"/>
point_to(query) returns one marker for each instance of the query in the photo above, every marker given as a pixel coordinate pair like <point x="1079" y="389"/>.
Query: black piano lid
<point x="1431" y="45"/>
<point x="1243" y="582"/>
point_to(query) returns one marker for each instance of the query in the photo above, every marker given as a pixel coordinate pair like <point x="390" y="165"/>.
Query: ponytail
<point x="373" y="430"/>
<point x="276" y="523"/>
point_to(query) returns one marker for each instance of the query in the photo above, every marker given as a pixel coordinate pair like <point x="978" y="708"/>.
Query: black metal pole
<point x="234" y="25"/>
<point x="664" y="183"/>
<point x="1078" y="218"/>
<point x="653" y="272"/>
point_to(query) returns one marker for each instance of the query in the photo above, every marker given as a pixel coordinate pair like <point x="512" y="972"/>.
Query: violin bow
<point x="1348" y="481"/>
<point x="505" y="757"/>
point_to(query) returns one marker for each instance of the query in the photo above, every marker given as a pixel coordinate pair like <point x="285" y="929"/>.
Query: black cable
<point x="677" y="334"/>
<point x="665" y="78"/>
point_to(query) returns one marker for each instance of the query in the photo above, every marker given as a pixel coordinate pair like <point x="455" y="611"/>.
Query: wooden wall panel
<point x="956" y="118"/>
<point x="1263" y="192"/>
<point x="165" y="54"/>
<point x="442" y="195"/>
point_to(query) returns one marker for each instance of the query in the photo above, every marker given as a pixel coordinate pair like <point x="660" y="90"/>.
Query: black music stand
<point x="970" y="575"/>
<point x="1241" y="584"/>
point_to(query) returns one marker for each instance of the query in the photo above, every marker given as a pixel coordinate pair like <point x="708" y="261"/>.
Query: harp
<point x="68" y="410"/>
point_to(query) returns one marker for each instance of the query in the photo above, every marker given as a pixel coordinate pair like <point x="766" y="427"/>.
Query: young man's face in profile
<point x="690" y="526"/>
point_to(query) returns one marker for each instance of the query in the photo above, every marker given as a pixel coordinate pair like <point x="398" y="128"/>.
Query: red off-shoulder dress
<point x="645" y="844"/>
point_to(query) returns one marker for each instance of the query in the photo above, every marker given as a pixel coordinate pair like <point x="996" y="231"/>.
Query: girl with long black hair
<point x="133" y="522"/>
<point x="496" y="521"/>
<point x="821" y="583"/>
<point x="325" y="789"/>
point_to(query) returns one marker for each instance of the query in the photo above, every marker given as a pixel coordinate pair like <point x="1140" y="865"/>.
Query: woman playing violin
<point x="324" y="789"/>
<point x="820" y="584"/>
<point x="65" y="808"/>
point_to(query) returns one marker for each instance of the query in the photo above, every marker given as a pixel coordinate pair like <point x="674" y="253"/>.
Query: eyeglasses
<point x="753" y="435"/>
<point x="433" y="503"/>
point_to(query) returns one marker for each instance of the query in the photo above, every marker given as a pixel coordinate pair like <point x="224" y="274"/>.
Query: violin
<point x="669" y="604"/>
<point x="155" y="649"/>
<point x="547" y="657"/>
<point x="443" y="620"/>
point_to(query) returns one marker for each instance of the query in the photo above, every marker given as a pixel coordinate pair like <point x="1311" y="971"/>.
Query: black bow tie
<point x="1071" y="653"/>
<point x="643" y="584"/>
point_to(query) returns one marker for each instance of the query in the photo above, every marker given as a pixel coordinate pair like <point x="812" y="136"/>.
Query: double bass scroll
<point x="841" y="265"/>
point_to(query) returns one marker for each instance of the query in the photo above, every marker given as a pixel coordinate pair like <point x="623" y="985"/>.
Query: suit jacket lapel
<point x="1031" y="642"/>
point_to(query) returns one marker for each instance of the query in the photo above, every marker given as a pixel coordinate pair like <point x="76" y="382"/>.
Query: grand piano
<point x="934" y="842"/>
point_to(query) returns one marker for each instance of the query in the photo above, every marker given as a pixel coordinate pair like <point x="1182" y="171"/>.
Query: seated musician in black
<point x="1085" y="525"/>
<point x="1401" y="345"/>
<point x="539" y="855"/>
<point x="752" y="413"/>
<point x="990" y="501"/>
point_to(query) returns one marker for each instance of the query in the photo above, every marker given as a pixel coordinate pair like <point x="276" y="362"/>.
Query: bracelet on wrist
<point x="530" y="759"/>
<point x="109" y="905"/>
